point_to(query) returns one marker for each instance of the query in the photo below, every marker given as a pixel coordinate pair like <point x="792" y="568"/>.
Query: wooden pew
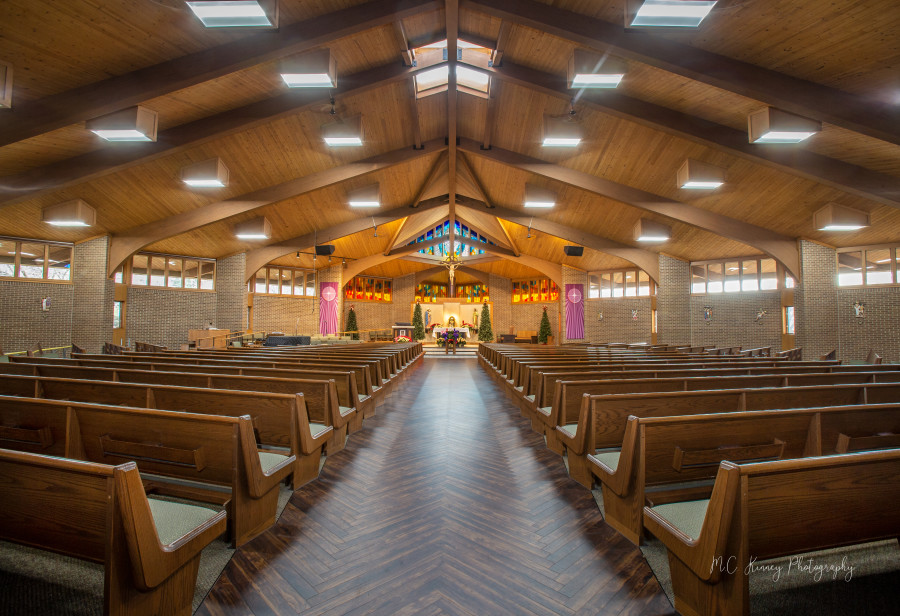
<point x="280" y="420"/>
<point x="602" y="419"/>
<point x="214" y="450"/>
<point x="767" y="509"/>
<point x="99" y="513"/>
<point x="661" y="456"/>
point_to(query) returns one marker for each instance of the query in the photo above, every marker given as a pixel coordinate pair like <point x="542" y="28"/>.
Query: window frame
<point x="894" y="255"/>
<point x="611" y="276"/>
<point x="279" y="270"/>
<point x="740" y="279"/>
<point x="46" y="245"/>
<point x="127" y="272"/>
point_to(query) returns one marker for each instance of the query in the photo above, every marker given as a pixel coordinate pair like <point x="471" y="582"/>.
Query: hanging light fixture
<point x="367" y="196"/>
<point x="235" y="13"/>
<point x="535" y="196"/>
<point x="131" y="124"/>
<point x="591" y="70"/>
<point x="315" y="69"/>
<point x="6" y="74"/>
<point x="210" y="173"/>
<point x="772" y="125"/>
<point x="75" y="213"/>
<point x="694" y="174"/>
<point x="646" y="230"/>
<point x="253" y="229"/>
<point x="672" y="13"/>
<point x="837" y="217"/>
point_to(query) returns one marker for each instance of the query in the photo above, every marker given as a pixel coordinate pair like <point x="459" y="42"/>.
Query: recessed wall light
<point x="535" y="196"/>
<point x="837" y="217"/>
<point x="646" y="230"/>
<point x="667" y="13"/>
<point x="253" y="229"/>
<point x="131" y="124"/>
<point x="561" y="132"/>
<point x="772" y="125"/>
<point x="591" y="70"/>
<point x="75" y="213"/>
<point x="697" y="175"/>
<point x="316" y="69"/>
<point x="210" y="173"/>
<point x="236" y="13"/>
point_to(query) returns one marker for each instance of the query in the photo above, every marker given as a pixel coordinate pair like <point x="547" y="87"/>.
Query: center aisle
<point x="445" y="503"/>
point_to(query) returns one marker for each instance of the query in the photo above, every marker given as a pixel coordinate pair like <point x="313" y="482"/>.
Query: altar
<point x="463" y="332"/>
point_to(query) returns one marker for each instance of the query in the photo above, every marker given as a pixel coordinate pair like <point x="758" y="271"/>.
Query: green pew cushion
<point x="570" y="429"/>
<point x="316" y="428"/>
<point x="345" y="409"/>
<point x="175" y="520"/>
<point x="687" y="516"/>
<point x="609" y="459"/>
<point x="268" y="460"/>
<point x="530" y="397"/>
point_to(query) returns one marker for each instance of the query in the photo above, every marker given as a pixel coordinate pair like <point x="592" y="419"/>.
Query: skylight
<point x="230" y="13"/>
<point x="468" y="78"/>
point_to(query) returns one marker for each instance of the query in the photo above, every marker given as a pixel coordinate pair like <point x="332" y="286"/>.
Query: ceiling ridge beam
<point x="644" y="259"/>
<point x="123" y="245"/>
<point x="850" y="178"/>
<point x="98" y="163"/>
<point x="857" y="113"/>
<point x="781" y="247"/>
<point x="99" y="98"/>
<point x="258" y="257"/>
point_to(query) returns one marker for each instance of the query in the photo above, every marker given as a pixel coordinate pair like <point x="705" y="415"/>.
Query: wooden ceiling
<point x="686" y="94"/>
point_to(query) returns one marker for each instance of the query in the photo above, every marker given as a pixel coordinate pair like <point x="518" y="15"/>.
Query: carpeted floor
<point x="39" y="582"/>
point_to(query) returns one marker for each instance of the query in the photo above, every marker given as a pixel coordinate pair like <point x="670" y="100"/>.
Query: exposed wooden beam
<point x="96" y="99"/>
<point x="474" y="273"/>
<point x="644" y="259"/>
<point x="123" y="245"/>
<point x="856" y="180"/>
<point x="866" y="116"/>
<point x="490" y="113"/>
<point x="781" y="247"/>
<point x="551" y="270"/>
<point x="111" y="159"/>
<point x="406" y="54"/>
<point x="467" y="168"/>
<point x="418" y="224"/>
<point x="452" y="15"/>
<point x="490" y="231"/>
<point x="258" y="257"/>
<point x="433" y="174"/>
<point x="414" y="113"/>
<point x="502" y="40"/>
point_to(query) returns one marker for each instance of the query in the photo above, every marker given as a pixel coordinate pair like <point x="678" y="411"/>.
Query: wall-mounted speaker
<point x="325" y="250"/>
<point x="573" y="251"/>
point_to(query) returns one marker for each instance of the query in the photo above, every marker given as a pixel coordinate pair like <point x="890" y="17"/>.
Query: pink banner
<point x="575" y="311"/>
<point x="328" y="307"/>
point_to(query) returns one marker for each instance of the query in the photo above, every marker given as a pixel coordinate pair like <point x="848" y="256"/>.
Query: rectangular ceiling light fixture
<point x="131" y="124"/>
<point x="694" y="174"/>
<point x="837" y="217"/>
<point x="210" y="173"/>
<point x="561" y="132"/>
<point x="253" y="229"/>
<point x="591" y="70"/>
<point x="310" y="70"/>
<point x="772" y="125"/>
<point x="75" y="213"/>
<point x="535" y="196"/>
<point x="367" y="196"/>
<point x="667" y="13"/>
<point x="346" y="132"/>
<point x="236" y="13"/>
<point x="6" y="73"/>
<point x="646" y="230"/>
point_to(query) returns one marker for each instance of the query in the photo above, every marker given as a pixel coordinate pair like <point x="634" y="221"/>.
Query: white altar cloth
<point x="463" y="331"/>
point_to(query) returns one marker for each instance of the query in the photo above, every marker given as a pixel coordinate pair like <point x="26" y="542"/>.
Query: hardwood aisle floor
<point x="445" y="503"/>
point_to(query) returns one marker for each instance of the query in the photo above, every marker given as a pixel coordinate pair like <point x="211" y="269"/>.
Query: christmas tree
<point x="485" y="333"/>
<point x="545" y="332"/>
<point x="351" y="324"/>
<point x="418" y="324"/>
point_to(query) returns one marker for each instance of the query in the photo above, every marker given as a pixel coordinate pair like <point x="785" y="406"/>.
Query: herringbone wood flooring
<point x="446" y="503"/>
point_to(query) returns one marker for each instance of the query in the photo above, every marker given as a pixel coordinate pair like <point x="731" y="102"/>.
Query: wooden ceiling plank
<point x="490" y="113"/>
<point x="551" y="270"/>
<point x="414" y="114"/>
<point x="853" y="179"/>
<point x="418" y="224"/>
<point x="406" y="54"/>
<point x="433" y="175"/>
<point x="14" y="189"/>
<point x="125" y="244"/>
<point x="502" y="39"/>
<point x="781" y="247"/>
<point x="115" y="93"/>
<point x="866" y="116"/>
<point x="258" y="257"/>
<point x="644" y="259"/>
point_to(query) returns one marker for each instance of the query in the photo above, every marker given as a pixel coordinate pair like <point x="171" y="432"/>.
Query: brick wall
<point x="815" y="301"/>
<point x="231" y="293"/>
<point x="618" y="323"/>
<point x="378" y="315"/>
<point x="272" y="313"/>
<point x="92" y="316"/>
<point x="733" y="319"/>
<point x="24" y="324"/>
<point x="673" y="301"/>
<point x="163" y="316"/>
<point x="527" y="317"/>
<point x="500" y="290"/>
<point x="878" y="330"/>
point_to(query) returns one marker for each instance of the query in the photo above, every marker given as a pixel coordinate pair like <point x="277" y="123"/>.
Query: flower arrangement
<point x="402" y="339"/>
<point x="448" y="335"/>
